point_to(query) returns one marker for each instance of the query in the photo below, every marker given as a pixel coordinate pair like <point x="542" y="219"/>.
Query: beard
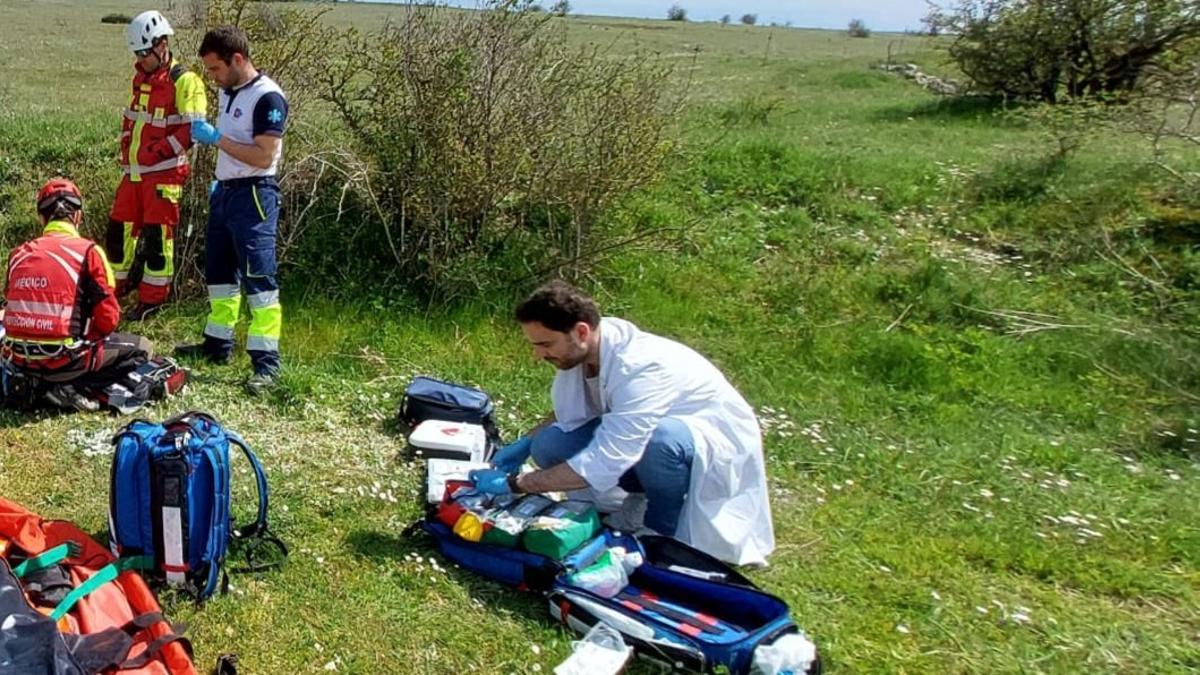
<point x="576" y="357"/>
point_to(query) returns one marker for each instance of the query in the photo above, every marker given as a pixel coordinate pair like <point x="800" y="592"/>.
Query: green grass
<point x="857" y="253"/>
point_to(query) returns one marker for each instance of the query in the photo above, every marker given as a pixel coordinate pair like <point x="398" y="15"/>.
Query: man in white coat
<point x="646" y="414"/>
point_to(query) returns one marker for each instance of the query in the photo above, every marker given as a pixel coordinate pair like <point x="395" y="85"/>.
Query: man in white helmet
<point x="155" y="138"/>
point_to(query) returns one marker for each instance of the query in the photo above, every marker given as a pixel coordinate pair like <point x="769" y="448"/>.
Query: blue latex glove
<point x="510" y="458"/>
<point x="490" y="481"/>
<point x="212" y="187"/>
<point x="203" y="132"/>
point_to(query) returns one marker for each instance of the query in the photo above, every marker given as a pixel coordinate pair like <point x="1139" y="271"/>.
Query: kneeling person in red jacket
<point x="61" y="312"/>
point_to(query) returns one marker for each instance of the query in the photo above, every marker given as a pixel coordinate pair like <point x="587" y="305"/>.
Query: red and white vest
<point x="43" y="290"/>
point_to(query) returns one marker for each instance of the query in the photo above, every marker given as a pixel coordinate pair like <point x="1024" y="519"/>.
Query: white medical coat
<point x="645" y="377"/>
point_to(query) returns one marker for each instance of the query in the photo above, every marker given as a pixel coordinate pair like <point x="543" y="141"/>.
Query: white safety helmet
<point x="145" y="29"/>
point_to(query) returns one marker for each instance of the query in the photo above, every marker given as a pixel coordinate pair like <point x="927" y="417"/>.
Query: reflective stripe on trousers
<point x="225" y="302"/>
<point x="266" y="321"/>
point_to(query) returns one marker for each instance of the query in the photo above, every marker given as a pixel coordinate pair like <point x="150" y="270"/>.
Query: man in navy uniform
<point x="243" y="207"/>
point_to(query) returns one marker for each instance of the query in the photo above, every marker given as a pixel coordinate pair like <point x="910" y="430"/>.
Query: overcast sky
<point x="878" y="14"/>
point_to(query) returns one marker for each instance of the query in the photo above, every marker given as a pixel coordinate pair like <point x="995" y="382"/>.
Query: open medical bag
<point x="680" y="606"/>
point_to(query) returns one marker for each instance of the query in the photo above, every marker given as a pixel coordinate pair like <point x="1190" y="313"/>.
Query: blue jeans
<point x="663" y="473"/>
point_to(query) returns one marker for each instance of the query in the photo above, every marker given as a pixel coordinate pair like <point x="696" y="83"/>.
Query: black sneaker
<point x="261" y="383"/>
<point x="199" y="350"/>
<point x="142" y="312"/>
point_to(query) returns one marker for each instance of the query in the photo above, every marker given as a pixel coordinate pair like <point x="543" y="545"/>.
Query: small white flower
<point x="936" y="596"/>
<point x="901" y="628"/>
<point x="885" y="569"/>
<point x="535" y="649"/>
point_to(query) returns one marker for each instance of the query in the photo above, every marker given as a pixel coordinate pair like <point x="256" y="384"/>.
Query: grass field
<point x="976" y="366"/>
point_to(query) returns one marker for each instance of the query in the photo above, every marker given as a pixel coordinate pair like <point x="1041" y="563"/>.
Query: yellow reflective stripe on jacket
<point x="69" y="343"/>
<point x="135" y="143"/>
<point x="108" y="270"/>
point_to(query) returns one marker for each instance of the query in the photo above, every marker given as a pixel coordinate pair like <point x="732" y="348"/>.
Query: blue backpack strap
<point x="260" y="477"/>
<point x="218" y="539"/>
<point x="257" y="534"/>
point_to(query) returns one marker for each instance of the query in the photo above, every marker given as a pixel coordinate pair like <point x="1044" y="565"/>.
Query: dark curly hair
<point x="225" y="41"/>
<point x="559" y="306"/>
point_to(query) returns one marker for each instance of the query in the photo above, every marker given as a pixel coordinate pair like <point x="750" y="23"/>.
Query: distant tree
<point x="1046" y="49"/>
<point x="676" y="13"/>
<point x="560" y="8"/>
<point x="725" y="20"/>
<point x="749" y="19"/>
<point x="535" y="8"/>
<point x="858" y="29"/>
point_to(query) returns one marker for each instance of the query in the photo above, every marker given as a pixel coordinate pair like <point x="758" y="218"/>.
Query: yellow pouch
<point x="469" y="527"/>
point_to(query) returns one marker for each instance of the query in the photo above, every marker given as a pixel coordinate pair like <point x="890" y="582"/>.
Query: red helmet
<point x="56" y="190"/>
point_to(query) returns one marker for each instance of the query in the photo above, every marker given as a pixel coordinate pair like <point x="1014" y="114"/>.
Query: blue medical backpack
<point x="169" y="500"/>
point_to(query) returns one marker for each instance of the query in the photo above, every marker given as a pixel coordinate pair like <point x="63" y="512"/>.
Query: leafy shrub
<point x="292" y="45"/>
<point x="676" y="13"/>
<point x="117" y="18"/>
<point x="1083" y="48"/>
<point x="749" y="19"/>
<point x="858" y="29"/>
<point x="488" y="150"/>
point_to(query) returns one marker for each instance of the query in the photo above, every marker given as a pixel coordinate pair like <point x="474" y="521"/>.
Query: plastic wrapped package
<point x="609" y="574"/>
<point x="602" y="651"/>
<point x="792" y="653"/>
